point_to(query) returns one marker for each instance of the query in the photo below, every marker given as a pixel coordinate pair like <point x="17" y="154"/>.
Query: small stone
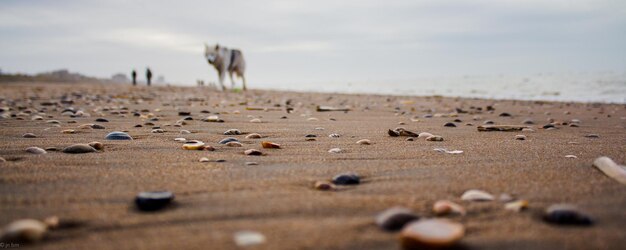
<point x="504" y="114"/>
<point x="520" y="137"/>
<point x="528" y="122"/>
<point x="97" y="145"/>
<point x="335" y="150"/>
<point x="102" y="120"/>
<point x="251" y="163"/>
<point x="571" y="156"/>
<point x="346" y="179"/>
<point x="444" y="207"/>
<point x="366" y="142"/>
<point x="193" y="145"/>
<point x="592" y="136"/>
<point x="79" y="149"/>
<point x="204" y="159"/>
<point x="267" y="144"/>
<point x="208" y="148"/>
<point x="323" y="185"/>
<point x="488" y="122"/>
<point x="68" y="131"/>
<point x="395" y="218"/>
<point x="434" y="138"/>
<point x="566" y="214"/>
<point x="53" y="122"/>
<point x="227" y="140"/>
<point x="158" y="131"/>
<point x="310" y="139"/>
<point x="253" y="152"/>
<point x="234" y="144"/>
<point x="185" y="132"/>
<point x="334" y="135"/>
<point x="29" y="135"/>
<point x="516" y="206"/>
<point x="431" y="233"/>
<point x="253" y="136"/>
<point x="153" y="201"/>
<point x="184" y="113"/>
<point x="37" y="118"/>
<point x="574" y="125"/>
<point x="212" y="118"/>
<point x="180" y="139"/>
<point x="528" y="130"/>
<point x="117" y="135"/>
<point x="312" y="119"/>
<point x="256" y="120"/>
<point x="310" y="136"/>
<point x="410" y="139"/>
<point x="24" y="230"/>
<point x="248" y="238"/>
<point x="51" y="222"/>
<point x="449" y="124"/>
<point x="232" y="132"/>
<point x="476" y="195"/>
<point x="548" y="126"/>
<point x="97" y="126"/>
<point x="35" y="150"/>
<point x="505" y="197"/>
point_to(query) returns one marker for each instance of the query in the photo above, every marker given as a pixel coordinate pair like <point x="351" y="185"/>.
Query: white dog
<point x="224" y="59"/>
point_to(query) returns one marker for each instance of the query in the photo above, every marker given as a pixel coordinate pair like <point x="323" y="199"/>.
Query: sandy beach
<point x="92" y="194"/>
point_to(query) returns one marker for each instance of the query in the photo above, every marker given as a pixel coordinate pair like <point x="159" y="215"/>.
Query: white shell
<point x="476" y="195"/>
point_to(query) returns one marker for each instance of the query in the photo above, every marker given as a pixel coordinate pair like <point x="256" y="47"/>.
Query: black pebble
<point x="153" y="201"/>
<point x="567" y="216"/>
<point x="346" y="179"/>
<point x="505" y="114"/>
<point x="102" y="120"/>
<point x="310" y="135"/>
<point x="97" y="126"/>
<point x="548" y="126"/>
<point x="449" y="124"/>
<point x="184" y="113"/>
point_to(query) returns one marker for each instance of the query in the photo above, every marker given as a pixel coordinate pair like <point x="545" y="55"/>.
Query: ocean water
<point x="605" y="87"/>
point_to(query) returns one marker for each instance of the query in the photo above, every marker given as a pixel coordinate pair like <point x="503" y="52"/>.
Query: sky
<point x="323" y="41"/>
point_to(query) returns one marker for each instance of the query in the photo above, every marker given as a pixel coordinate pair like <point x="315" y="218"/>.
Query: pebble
<point x="528" y="122"/>
<point x="234" y="144"/>
<point x="212" y="118"/>
<point x="180" y="139"/>
<point x="364" y="142"/>
<point x="68" y="131"/>
<point x="488" y="122"/>
<point x="37" y="118"/>
<point x="431" y="233"/>
<point x="204" y="159"/>
<point x="334" y="135"/>
<point x="253" y="152"/>
<point x="476" y="195"/>
<point x="117" y="135"/>
<point x="267" y="144"/>
<point x="153" y="201"/>
<point x="35" y="150"/>
<point x="312" y="119"/>
<point x="520" y="137"/>
<point x="449" y="124"/>
<point x="53" y="122"/>
<point x="158" y="131"/>
<point x="97" y="126"/>
<point x="79" y="149"/>
<point x="323" y="185"/>
<point x="184" y="113"/>
<point x="528" y="130"/>
<point x="97" y="145"/>
<point x="346" y="179"/>
<point x="566" y="214"/>
<point x="29" y="135"/>
<point x="516" y="206"/>
<point x="253" y="136"/>
<point x="443" y="207"/>
<point x="571" y="156"/>
<point x="256" y="120"/>
<point x="24" y="230"/>
<point x="505" y="114"/>
<point x="232" y="132"/>
<point x="434" y="138"/>
<point x="193" y="145"/>
<point x="400" y="132"/>
<point x="251" y="163"/>
<point x="592" y="136"/>
<point x="185" y="132"/>
<point x="335" y="150"/>
<point x="395" y="218"/>
<point x="248" y="238"/>
<point x="227" y="140"/>
<point x="547" y="126"/>
<point x="410" y="139"/>
<point x="102" y="120"/>
<point x="310" y="136"/>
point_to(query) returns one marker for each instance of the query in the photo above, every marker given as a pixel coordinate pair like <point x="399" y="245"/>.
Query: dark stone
<point x="153" y="201"/>
<point x="449" y="124"/>
<point x="548" y="126"/>
<point x="505" y="114"/>
<point x="310" y="135"/>
<point x="116" y="135"/>
<point x="346" y="179"/>
<point x="102" y="120"/>
<point x="184" y="113"/>
<point x="565" y="214"/>
<point x="205" y="112"/>
<point x="79" y="149"/>
<point x="395" y="218"/>
<point x="488" y="122"/>
<point x="528" y="122"/>
<point x="97" y="126"/>
<point x="457" y="120"/>
<point x="138" y="126"/>
<point x="227" y="140"/>
<point x="188" y="118"/>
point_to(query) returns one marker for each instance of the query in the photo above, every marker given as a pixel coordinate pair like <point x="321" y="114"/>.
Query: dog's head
<point x="211" y="52"/>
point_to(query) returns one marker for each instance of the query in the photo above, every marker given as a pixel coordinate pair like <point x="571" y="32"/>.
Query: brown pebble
<point x="253" y="136"/>
<point x="253" y="152"/>
<point x="35" y="150"/>
<point x="431" y="233"/>
<point x="97" y="145"/>
<point x="444" y="207"/>
<point x="267" y="144"/>
<point x="395" y="218"/>
<point x="323" y="185"/>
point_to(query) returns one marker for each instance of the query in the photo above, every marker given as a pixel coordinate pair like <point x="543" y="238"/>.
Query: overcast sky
<point x="287" y="42"/>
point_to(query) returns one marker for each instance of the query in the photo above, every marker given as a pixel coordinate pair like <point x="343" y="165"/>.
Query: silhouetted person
<point x="134" y="76"/>
<point x="148" y="75"/>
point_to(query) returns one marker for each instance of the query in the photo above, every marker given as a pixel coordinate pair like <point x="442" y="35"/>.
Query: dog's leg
<point x="232" y="81"/>
<point x="244" y="82"/>
<point x="221" y="76"/>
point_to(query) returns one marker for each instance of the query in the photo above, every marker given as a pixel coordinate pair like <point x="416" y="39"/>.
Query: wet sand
<point x="94" y="192"/>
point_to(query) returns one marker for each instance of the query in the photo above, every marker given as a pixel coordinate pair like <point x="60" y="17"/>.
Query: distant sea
<point x="605" y="87"/>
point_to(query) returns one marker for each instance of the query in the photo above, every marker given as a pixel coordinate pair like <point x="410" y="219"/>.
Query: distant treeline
<point x="62" y="75"/>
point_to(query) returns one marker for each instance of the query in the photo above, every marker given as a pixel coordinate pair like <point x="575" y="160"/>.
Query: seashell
<point x="24" y="230"/>
<point x="232" y="132"/>
<point x="520" y="137"/>
<point x="256" y="120"/>
<point x="179" y="139"/>
<point x="53" y="122"/>
<point x="571" y="156"/>
<point x="79" y="149"/>
<point x="253" y="152"/>
<point x="335" y="150"/>
<point x="431" y="233"/>
<point x="35" y="150"/>
<point x="97" y="145"/>
<point x="401" y="132"/>
<point x="37" y="118"/>
<point x="116" y="135"/>
<point x="227" y="140"/>
<point x="312" y="119"/>
<point x="364" y="142"/>
<point x="611" y="169"/>
<point x="516" y="206"/>
<point x="234" y="144"/>
<point x="267" y="144"/>
<point x="476" y="195"/>
<point x="158" y="131"/>
<point x="334" y="135"/>
<point x="253" y="136"/>
<point x="505" y="197"/>
<point x="395" y="218"/>
<point x="204" y="159"/>
<point x="185" y="132"/>
<point x="443" y="150"/>
<point x="212" y="118"/>
<point x="434" y="138"/>
<point x="323" y="185"/>
<point x="248" y="238"/>
<point x="528" y="130"/>
<point x="193" y="145"/>
<point x="208" y="148"/>
<point x="51" y="222"/>
<point x="424" y="135"/>
<point x="85" y="126"/>
<point x="444" y="207"/>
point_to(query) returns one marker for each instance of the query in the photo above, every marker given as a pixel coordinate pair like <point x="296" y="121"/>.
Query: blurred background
<point x="535" y="49"/>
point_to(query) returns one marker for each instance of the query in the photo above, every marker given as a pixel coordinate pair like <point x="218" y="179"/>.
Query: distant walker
<point x="148" y="75"/>
<point x="224" y="59"/>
